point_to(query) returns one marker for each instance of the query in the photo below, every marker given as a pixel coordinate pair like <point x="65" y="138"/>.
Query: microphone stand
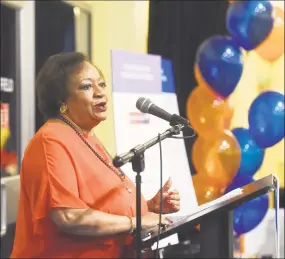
<point x="136" y="156"/>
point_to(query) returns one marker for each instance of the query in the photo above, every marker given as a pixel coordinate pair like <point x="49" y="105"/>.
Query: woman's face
<point x="87" y="101"/>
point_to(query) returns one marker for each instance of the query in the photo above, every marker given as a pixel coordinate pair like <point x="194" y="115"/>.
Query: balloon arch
<point x="226" y="158"/>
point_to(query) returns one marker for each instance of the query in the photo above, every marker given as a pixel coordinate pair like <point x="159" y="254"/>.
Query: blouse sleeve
<point x="53" y="181"/>
<point x="62" y="177"/>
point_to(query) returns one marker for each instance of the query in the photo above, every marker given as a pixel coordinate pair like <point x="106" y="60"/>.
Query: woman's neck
<point x="84" y="131"/>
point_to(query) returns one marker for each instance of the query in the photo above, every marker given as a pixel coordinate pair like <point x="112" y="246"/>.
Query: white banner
<point x="145" y="79"/>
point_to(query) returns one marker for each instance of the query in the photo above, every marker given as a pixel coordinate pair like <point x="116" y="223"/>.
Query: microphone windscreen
<point x="143" y="104"/>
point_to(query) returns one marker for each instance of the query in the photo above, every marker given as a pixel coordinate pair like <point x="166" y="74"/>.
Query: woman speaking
<point x="73" y="202"/>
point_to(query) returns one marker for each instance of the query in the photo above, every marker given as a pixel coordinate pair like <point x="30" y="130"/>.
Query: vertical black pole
<point x="138" y="216"/>
<point x="138" y="165"/>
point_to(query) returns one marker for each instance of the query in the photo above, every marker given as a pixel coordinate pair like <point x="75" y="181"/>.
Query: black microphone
<point x="145" y="105"/>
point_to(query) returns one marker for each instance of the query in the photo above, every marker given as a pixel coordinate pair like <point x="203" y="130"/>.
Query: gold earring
<point x="63" y="108"/>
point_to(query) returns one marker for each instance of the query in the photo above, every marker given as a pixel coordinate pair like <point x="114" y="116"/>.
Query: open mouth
<point x="101" y="106"/>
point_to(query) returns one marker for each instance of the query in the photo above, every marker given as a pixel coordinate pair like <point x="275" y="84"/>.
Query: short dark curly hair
<point x="52" y="81"/>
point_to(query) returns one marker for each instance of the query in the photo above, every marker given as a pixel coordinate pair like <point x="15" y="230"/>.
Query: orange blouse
<point x="60" y="171"/>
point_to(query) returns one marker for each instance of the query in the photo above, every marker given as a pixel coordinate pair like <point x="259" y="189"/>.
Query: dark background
<point x="54" y="34"/>
<point x="176" y="29"/>
<point x="8" y="69"/>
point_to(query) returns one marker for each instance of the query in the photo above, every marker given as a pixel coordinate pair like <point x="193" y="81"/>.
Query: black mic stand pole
<point x="138" y="165"/>
<point x="136" y="156"/>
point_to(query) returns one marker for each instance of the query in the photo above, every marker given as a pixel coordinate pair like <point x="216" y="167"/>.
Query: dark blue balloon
<point x="266" y="118"/>
<point x="251" y="154"/>
<point x="250" y="214"/>
<point x="220" y="63"/>
<point x="238" y="182"/>
<point x="249" y="22"/>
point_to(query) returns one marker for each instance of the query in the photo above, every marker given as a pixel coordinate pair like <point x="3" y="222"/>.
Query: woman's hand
<point x="151" y="220"/>
<point x="170" y="200"/>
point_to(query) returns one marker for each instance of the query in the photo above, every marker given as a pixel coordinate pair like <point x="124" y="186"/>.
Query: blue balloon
<point x="266" y="119"/>
<point x="250" y="214"/>
<point x="251" y="154"/>
<point x="220" y="62"/>
<point x="238" y="182"/>
<point x="249" y="22"/>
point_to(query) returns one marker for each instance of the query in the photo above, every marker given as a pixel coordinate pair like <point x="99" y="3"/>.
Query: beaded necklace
<point x="118" y="172"/>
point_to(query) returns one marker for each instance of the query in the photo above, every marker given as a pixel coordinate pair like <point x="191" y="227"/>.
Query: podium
<point x="215" y="220"/>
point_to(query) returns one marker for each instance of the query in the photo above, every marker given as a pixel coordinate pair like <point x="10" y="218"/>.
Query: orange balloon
<point x="208" y="113"/>
<point x="273" y="46"/>
<point x="229" y="115"/>
<point x="217" y="160"/>
<point x="205" y="190"/>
